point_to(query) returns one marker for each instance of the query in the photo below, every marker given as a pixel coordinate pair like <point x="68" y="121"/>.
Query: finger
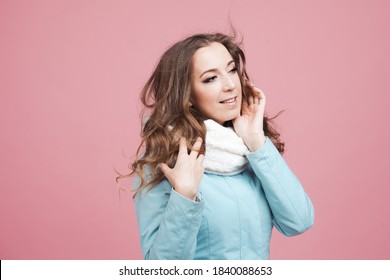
<point x="244" y="109"/>
<point x="256" y="98"/>
<point x="200" y="158"/>
<point x="262" y="101"/>
<point x="262" y="97"/>
<point x="256" y="91"/>
<point x="259" y="93"/>
<point x="196" y="147"/>
<point x="165" y="169"/>
<point x="250" y="100"/>
<point x="183" y="146"/>
<point x="249" y="83"/>
<point x="257" y="101"/>
<point x="200" y="161"/>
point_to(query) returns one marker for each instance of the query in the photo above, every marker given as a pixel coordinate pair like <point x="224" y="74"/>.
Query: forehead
<point x="212" y="56"/>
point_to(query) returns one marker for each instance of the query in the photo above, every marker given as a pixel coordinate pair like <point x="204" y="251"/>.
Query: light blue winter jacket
<point x="233" y="217"/>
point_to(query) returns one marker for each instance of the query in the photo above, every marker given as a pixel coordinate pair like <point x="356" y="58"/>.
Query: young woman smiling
<point x="211" y="182"/>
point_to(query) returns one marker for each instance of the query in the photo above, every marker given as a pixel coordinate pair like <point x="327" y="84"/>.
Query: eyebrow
<point x="215" y="69"/>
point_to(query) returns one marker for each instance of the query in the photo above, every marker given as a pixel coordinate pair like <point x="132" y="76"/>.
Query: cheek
<point x="238" y="84"/>
<point x="206" y="94"/>
<point x="207" y="100"/>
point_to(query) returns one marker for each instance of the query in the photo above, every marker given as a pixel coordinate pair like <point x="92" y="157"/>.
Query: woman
<point x="211" y="180"/>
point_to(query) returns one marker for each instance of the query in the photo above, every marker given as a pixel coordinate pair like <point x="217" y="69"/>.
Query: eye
<point x="234" y="70"/>
<point x="208" y="80"/>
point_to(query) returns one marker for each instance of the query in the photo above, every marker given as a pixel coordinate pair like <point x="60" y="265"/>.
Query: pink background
<point x="70" y="75"/>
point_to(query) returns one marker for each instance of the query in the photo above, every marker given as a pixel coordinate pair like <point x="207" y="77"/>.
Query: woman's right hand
<point x="188" y="171"/>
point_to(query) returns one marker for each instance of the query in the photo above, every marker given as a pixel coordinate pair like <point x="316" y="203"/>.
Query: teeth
<point x="229" y="100"/>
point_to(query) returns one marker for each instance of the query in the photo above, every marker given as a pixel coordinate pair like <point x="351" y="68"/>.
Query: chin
<point x="231" y="117"/>
<point x="224" y="117"/>
<point x="236" y="114"/>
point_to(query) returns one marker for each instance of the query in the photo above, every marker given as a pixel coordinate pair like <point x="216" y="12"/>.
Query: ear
<point x="191" y="101"/>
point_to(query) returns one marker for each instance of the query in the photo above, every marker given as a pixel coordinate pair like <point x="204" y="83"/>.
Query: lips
<point x="229" y="100"/>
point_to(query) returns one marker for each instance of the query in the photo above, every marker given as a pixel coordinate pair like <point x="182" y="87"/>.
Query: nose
<point x="228" y="84"/>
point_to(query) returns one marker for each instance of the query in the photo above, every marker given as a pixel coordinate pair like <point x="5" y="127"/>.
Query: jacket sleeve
<point x="168" y="222"/>
<point x="292" y="210"/>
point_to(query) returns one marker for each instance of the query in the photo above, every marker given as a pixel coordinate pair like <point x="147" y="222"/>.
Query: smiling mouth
<point x="230" y="100"/>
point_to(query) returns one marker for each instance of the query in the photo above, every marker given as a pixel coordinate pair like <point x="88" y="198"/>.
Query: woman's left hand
<point x="249" y="126"/>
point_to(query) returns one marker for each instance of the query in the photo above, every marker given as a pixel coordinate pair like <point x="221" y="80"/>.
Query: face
<point x="216" y="83"/>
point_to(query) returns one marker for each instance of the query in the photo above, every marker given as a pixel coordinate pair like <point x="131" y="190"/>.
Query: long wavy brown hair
<point x="167" y="114"/>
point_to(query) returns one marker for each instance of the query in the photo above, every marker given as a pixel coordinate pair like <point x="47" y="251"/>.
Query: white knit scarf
<point x="225" y="150"/>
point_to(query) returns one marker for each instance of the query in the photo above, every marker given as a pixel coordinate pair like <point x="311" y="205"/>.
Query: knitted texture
<point x="225" y="150"/>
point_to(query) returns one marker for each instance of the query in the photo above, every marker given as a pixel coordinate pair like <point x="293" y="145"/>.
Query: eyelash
<point x="234" y="70"/>
<point x="208" y="80"/>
